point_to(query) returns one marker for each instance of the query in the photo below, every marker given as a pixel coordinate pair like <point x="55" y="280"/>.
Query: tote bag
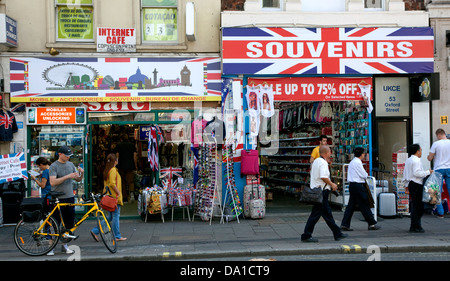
<point x="249" y="162"/>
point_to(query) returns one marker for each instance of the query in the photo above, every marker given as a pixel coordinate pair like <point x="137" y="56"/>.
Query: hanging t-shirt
<point x="8" y="125"/>
<point x="215" y="131"/>
<point x="197" y="128"/>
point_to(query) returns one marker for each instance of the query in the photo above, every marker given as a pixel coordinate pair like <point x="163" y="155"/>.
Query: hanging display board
<point x="274" y="50"/>
<point x="55" y="79"/>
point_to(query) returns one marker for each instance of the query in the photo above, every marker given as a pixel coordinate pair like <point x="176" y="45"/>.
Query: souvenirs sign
<point x="327" y="50"/>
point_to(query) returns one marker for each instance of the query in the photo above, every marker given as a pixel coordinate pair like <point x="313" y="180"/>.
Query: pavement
<point x="276" y="234"/>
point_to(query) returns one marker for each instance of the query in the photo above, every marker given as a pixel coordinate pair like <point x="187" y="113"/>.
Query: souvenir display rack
<point x="401" y="191"/>
<point x="207" y="185"/>
<point x="231" y="200"/>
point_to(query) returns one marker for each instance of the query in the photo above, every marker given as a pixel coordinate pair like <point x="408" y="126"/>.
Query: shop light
<point x="190" y="21"/>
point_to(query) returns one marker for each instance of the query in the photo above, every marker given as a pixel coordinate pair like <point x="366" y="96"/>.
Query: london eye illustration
<point x="71" y="75"/>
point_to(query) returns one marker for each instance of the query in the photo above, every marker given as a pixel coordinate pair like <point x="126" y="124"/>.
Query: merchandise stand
<point x="231" y="189"/>
<point x="207" y="185"/>
<point x="401" y="191"/>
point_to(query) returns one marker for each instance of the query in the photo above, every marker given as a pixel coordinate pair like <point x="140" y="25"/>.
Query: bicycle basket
<point x="31" y="216"/>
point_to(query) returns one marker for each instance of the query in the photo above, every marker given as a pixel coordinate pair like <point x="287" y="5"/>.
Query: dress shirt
<point x="319" y="170"/>
<point x="414" y="171"/>
<point x="356" y="172"/>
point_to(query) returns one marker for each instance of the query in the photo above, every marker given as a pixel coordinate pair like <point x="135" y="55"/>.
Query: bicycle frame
<point x="58" y="206"/>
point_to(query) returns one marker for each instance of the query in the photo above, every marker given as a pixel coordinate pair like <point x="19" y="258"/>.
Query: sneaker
<point x="51" y="253"/>
<point x="65" y="249"/>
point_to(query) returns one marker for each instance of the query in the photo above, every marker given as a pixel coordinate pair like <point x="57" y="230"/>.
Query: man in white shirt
<point x="358" y="193"/>
<point x="320" y="178"/>
<point x="440" y="155"/>
<point x="413" y="176"/>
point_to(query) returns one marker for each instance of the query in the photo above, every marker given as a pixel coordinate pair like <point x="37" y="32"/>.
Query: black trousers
<point x="67" y="212"/>
<point x="358" y="197"/>
<point x="416" y="209"/>
<point x="321" y="210"/>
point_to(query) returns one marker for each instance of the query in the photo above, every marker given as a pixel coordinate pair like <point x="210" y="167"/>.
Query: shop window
<point x="374" y="4"/>
<point x="120" y="116"/>
<point x="272" y="4"/>
<point x="323" y="5"/>
<point x="159" y="21"/>
<point x="74" y="20"/>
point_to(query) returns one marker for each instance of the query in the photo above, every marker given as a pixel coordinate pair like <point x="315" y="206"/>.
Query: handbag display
<point x="108" y="203"/>
<point x="249" y="162"/>
<point x="311" y="195"/>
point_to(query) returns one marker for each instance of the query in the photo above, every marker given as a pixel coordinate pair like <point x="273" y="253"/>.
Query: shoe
<point x="342" y="236"/>
<point x="310" y="239"/>
<point x="65" y="249"/>
<point x="374" y="227"/>
<point x="51" y="253"/>
<point x="344" y="228"/>
<point x="440" y="216"/>
<point x="416" y="230"/>
<point x="95" y="237"/>
<point x="121" y="239"/>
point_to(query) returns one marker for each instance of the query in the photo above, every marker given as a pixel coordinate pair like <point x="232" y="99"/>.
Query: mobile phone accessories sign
<point x="56" y="115"/>
<point x="327" y="50"/>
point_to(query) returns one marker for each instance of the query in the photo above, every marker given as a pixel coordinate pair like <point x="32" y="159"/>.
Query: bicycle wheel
<point x="36" y="244"/>
<point x="106" y="232"/>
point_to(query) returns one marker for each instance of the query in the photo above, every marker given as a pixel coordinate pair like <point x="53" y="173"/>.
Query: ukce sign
<point x="317" y="88"/>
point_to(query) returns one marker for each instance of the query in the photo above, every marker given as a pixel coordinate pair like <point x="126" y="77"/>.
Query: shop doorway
<point x="108" y="130"/>
<point x="286" y="167"/>
<point x="393" y="136"/>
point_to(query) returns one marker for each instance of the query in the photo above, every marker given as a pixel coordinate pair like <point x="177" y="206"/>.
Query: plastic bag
<point x="432" y="189"/>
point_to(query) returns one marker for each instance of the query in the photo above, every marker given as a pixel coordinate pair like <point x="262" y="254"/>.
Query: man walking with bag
<point x="359" y="195"/>
<point x="320" y="178"/>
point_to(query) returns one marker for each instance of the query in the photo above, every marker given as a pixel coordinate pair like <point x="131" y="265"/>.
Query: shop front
<point x="94" y="105"/>
<point x="342" y="83"/>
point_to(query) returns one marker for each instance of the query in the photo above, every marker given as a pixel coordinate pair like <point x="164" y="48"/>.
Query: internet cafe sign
<point x="116" y="40"/>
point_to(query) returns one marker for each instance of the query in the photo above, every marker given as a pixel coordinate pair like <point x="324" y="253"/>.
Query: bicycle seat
<point x="55" y="193"/>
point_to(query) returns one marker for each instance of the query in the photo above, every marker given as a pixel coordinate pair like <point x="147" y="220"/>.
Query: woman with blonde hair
<point x="112" y="180"/>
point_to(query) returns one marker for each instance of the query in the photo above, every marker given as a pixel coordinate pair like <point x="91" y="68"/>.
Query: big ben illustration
<point x="185" y="76"/>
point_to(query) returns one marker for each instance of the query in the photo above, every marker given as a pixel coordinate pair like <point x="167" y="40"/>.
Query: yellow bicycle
<point x="35" y="235"/>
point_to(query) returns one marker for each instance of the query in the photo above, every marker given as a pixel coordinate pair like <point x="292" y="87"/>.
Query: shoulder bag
<point x="311" y="195"/>
<point x="108" y="203"/>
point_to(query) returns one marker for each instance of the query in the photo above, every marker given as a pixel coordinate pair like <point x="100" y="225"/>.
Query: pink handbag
<point x="249" y="162"/>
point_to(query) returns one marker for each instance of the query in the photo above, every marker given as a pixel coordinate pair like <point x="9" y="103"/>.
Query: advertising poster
<point x="315" y="88"/>
<point x="12" y="167"/>
<point x="75" y="23"/>
<point x="168" y="79"/>
<point x="160" y="24"/>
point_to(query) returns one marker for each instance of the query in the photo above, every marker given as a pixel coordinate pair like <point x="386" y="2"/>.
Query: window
<point x="159" y="21"/>
<point x="323" y="5"/>
<point x="74" y="20"/>
<point x="373" y="4"/>
<point x="271" y="4"/>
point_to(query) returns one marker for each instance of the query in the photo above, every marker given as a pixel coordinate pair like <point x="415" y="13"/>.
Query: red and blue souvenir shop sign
<point x="278" y="51"/>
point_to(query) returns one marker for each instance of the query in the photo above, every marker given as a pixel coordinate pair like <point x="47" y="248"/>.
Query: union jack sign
<point x="327" y="50"/>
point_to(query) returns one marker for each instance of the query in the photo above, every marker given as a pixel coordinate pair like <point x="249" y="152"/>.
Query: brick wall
<point x="233" y="5"/>
<point x="414" y="5"/>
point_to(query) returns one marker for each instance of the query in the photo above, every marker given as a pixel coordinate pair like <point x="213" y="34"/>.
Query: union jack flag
<point x="6" y="120"/>
<point x="169" y="173"/>
<point x="327" y="50"/>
